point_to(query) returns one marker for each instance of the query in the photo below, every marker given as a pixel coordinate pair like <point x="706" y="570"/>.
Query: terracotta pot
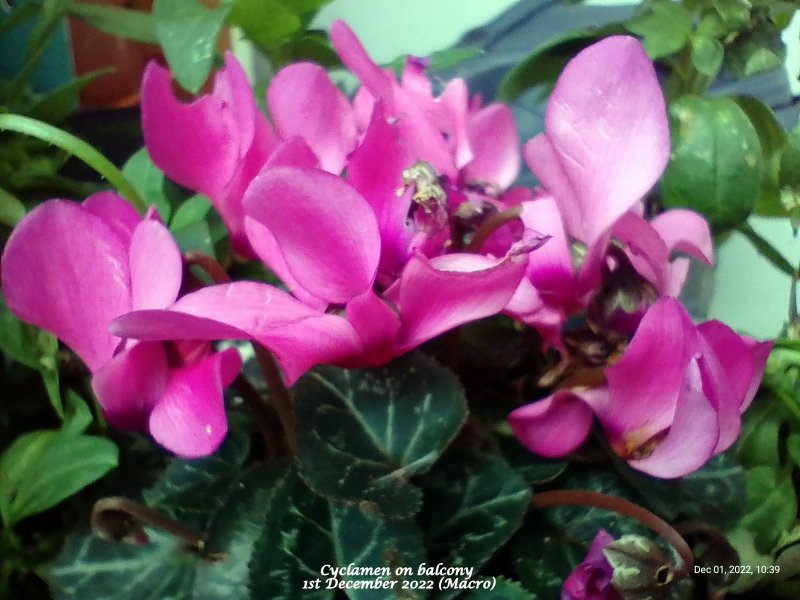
<point x="93" y="49"/>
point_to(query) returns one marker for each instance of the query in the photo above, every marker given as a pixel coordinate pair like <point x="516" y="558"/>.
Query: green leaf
<point x="789" y="173"/>
<point x="534" y="469"/>
<point x="543" y="557"/>
<point x="123" y="23"/>
<point x="210" y="495"/>
<point x="579" y="524"/>
<point x="734" y="13"/>
<point x="712" y="494"/>
<point x="295" y="544"/>
<point x="440" y="60"/>
<point x="195" y="237"/>
<point x="543" y="66"/>
<point x="192" y="211"/>
<point x="473" y="505"/>
<point x="266" y="22"/>
<point x="707" y="55"/>
<point x="312" y="46"/>
<point x="715" y="165"/>
<point x="33" y="348"/>
<point x="193" y="490"/>
<point x="57" y="105"/>
<point x="187" y="31"/>
<point x="11" y="208"/>
<point x="362" y="433"/>
<point x="89" y="567"/>
<point x="758" y="443"/>
<point x="78" y="417"/>
<point x="367" y="540"/>
<point x="149" y="181"/>
<point x="771" y="506"/>
<point x="772" y="138"/>
<point x="234" y="532"/>
<point x="664" y="27"/>
<point x="76" y="147"/>
<point x="42" y="468"/>
<point x="758" y="49"/>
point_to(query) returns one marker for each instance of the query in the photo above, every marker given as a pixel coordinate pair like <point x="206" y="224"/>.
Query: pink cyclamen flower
<point x="71" y="269"/>
<point x="322" y="237"/>
<point x="670" y="403"/>
<point x="591" y="580"/>
<point x="219" y="142"/>
<point x="605" y="144"/>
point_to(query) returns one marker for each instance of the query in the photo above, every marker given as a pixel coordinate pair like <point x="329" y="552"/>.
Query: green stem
<point x="767" y="250"/>
<point x="77" y="147"/>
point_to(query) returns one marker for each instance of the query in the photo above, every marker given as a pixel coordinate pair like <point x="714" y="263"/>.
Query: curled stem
<point x="492" y="224"/>
<point x="122" y="520"/>
<point x="627" y="508"/>
<point x="77" y="147"/>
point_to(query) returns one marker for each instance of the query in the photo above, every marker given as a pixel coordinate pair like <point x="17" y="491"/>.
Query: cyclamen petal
<point x="324" y="119"/>
<point x="154" y="287"/>
<point x="495" y="145"/>
<point x="190" y="419"/>
<point x="130" y="384"/>
<point x="326" y="232"/>
<point x="433" y="296"/>
<point x="692" y="436"/>
<point x="300" y="336"/>
<point x="65" y="270"/>
<point x="556" y="425"/>
<point x="606" y="139"/>
<point x="196" y="144"/>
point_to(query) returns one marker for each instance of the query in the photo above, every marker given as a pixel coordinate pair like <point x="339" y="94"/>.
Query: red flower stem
<point x="280" y="397"/>
<point x="491" y="225"/>
<point x="623" y="507"/>
<point x="209" y="264"/>
<point x="121" y="519"/>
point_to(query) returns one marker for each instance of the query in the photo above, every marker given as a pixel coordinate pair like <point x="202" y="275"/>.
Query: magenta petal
<point x="556" y="425"/>
<point x="692" y="437"/>
<point x="326" y="231"/>
<point x="195" y="144"/>
<point x="379" y="180"/>
<point x="66" y="271"/>
<point x="437" y="295"/>
<point x="155" y="265"/>
<point x="324" y="118"/>
<point x="377" y="324"/>
<point x="130" y="384"/>
<point x="550" y="268"/>
<point x="728" y="369"/>
<point x="454" y="99"/>
<point x="356" y="59"/>
<point x="760" y="353"/>
<point x="300" y="336"/>
<point x="644" y="385"/>
<point x="493" y="138"/>
<point x="687" y="231"/>
<point x="608" y="135"/>
<point x="116" y="212"/>
<point x="190" y="419"/>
